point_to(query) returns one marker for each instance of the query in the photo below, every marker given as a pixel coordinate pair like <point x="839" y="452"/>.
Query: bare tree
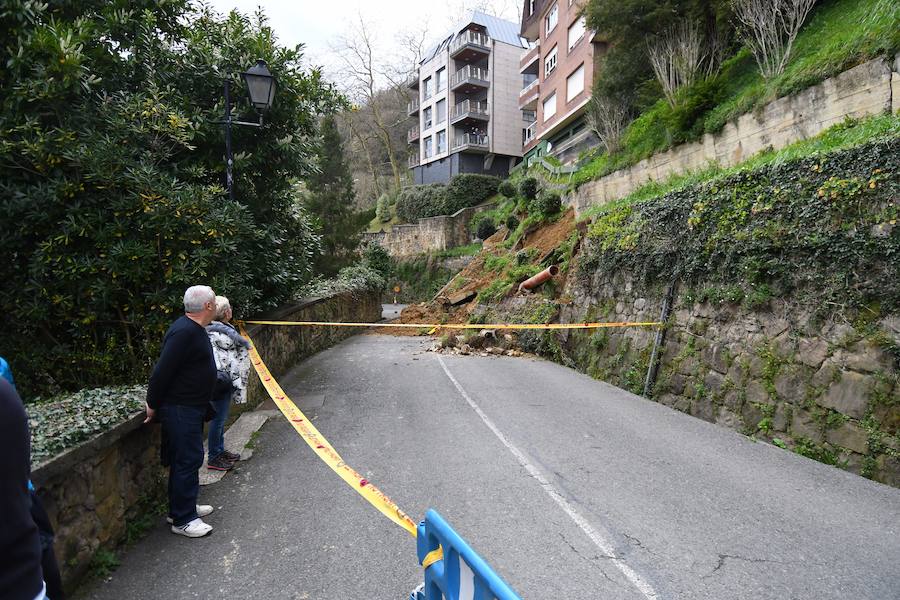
<point x="678" y="57"/>
<point x="769" y="28"/>
<point x="607" y="118"/>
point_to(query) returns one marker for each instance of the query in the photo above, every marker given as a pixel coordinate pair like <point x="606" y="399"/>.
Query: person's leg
<point x="48" y="557"/>
<point x="216" y="437"/>
<point x="184" y="482"/>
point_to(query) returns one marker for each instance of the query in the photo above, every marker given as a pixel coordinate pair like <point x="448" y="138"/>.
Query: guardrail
<point x="453" y="570"/>
<point x="470" y="37"/>
<point x="470" y="72"/>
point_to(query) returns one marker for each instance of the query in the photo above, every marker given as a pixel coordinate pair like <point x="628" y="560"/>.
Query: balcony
<point x="469" y="110"/>
<point x="413" y="160"/>
<point x="470" y="79"/>
<point x="470" y="46"/>
<point x="412" y="107"/>
<point x="528" y="97"/>
<point x="413" y="81"/>
<point x="528" y="62"/>
<point x="413" y="134"/>
<point x="471" y="141"/>
<point x="529" y="116"/>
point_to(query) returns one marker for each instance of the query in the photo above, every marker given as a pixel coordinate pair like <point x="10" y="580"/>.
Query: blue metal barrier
<point x="461" y="574"/>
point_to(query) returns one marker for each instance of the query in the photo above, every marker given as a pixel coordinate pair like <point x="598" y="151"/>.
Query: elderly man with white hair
<point x="180" y="390"/>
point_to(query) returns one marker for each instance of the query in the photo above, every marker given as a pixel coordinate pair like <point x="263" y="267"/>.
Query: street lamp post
<point x="261" y="89"/>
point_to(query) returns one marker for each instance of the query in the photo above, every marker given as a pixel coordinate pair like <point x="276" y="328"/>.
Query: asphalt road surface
<point x="568" y="487"/>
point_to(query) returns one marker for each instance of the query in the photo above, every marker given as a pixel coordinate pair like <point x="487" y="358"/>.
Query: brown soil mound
<point x="474" y="278"/>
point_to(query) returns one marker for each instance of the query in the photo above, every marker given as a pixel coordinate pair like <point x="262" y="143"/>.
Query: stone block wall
<point x="94" y="491"/>
<point x="431" y="234"/>
<point x="828" y="390"/>
<point x="865" y="90"/>
<point x="282" y="347"/>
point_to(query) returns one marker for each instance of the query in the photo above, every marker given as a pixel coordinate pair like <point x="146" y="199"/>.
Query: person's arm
<point x="164" y="371"/>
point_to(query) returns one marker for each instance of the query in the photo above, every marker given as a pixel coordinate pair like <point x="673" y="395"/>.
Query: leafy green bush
<point x="64" y="422"/>
<point x="512" y="222"/>
<point x="528" y="188"/>
<point x="383" y="208"/>
<point x="468" y="189"/>
<point x="507" y="189"/>
<point x="486" y="228"/>
<point x="376" y="257"/>
<point x="419" y="201"/>
<point x="547" y="204"/>
<point x="822" y="228"/>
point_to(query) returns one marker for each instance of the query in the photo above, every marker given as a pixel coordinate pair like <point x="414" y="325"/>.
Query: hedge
<point x="824" y="228"/>
<point x="431" y="200"/>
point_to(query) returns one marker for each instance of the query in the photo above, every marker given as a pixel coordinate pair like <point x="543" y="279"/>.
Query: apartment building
<point x="466" y="105"/>
<point x="557" y="71"/>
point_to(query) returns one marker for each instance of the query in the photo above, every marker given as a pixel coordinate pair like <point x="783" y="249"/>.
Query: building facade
<point x="557" y="69"/>
<point x="466" y="102"/>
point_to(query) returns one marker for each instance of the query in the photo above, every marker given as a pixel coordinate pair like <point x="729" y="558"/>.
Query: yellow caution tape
<point x="433" y="557"/>
<point x="323" y="449"/>
<point x="436" y="326"/>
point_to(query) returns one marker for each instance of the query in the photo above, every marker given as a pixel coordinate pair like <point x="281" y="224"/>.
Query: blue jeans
<point x="216" y="436"/>
<point x="184" y="428"/>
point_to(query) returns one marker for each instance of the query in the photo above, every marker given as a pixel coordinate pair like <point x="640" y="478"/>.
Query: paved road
<point x="569" y="487"/>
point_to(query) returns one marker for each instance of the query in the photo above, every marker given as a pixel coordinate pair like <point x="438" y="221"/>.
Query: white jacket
<point x="231" y="352"/>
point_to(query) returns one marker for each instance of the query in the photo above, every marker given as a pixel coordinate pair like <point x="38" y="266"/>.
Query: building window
<point x="575" y="83"/>
<point x="429" y="148"/>
<point x="442" y="141"/>
<point x="552" y="19"/>
<point x="441" y="77"/>
<point x="550" y="62"/>
<point x="530" y="7"/>
<point x="427" y="89"/>
<point x="549" y="107"/>
<point x="576" y="32"/>
<point x="441" y="108"/>
<point x="426" y="118"/>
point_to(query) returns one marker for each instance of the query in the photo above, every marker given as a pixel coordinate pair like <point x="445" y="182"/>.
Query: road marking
<point x="605" y="546"/>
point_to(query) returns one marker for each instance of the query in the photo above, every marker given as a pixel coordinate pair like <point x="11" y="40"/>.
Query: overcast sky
<point x="320" y="24"/>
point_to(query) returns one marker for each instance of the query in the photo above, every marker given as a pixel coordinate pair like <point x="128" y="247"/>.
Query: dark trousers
<point x="216" y="436"/>
<point x="48" y="557"/>
<point x="184" y="433"/>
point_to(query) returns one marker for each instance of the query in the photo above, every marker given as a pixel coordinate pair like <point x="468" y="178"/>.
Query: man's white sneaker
<point x="202" y="511"/>
<point x="195" y="529"/>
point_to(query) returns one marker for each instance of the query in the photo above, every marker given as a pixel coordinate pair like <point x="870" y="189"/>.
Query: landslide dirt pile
<point x="496" y="270"/>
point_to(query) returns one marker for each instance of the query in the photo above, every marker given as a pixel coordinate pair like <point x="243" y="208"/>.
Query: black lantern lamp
<point x="261" y="89"/>
<point x="260" y="85"/>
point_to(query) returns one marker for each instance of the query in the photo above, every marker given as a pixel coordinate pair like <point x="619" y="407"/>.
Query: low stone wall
<point x="283" y="347"/>
<point x="94" y="492"/>
<point x="826" y="390"/>
<point x="431" y="234"/>
<point x="865" y="90"/>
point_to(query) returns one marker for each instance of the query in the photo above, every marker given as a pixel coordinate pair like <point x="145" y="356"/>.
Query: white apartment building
<point x="467" y="103"/>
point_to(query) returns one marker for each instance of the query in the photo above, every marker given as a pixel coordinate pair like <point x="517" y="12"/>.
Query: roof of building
<point x="497" y="29"/>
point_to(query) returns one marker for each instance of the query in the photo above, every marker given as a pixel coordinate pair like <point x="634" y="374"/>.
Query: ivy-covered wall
<point x="786" y="322"/>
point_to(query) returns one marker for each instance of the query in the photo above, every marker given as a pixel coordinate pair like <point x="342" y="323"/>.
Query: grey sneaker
<point x="220" y="463"/>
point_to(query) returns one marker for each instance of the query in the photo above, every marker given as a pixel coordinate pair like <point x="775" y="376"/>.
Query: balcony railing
<point x="413" y="134"/>
<point x="470" y="38"/>
<point x="412" y="106"/>
<point x="470" y="74"/>
<point x="476" y="140"/>
<point x="413" y="81"/>
<point x="469" y="108"/>
<point x="413" y="160"/>
<point x="529" y="116"/>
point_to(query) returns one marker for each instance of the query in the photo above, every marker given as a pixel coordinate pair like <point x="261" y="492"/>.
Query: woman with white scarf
<point x="231" y="352"/>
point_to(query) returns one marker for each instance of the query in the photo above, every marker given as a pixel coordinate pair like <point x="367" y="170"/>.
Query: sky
<point x="320" y="24"/>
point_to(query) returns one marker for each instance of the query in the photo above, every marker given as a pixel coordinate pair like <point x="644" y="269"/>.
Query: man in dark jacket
<point x="20" y="544"/>
<point x="180" y="389"/>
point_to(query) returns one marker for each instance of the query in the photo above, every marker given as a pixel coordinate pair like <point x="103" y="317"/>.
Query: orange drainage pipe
<point x="530" y="284"/>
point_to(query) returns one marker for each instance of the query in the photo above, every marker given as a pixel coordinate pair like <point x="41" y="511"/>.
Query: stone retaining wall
<point x="94" y="492"/>
<point x="431" y="234"/>
<point x="869" y="89"/>
<point x="826" y="390"/>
